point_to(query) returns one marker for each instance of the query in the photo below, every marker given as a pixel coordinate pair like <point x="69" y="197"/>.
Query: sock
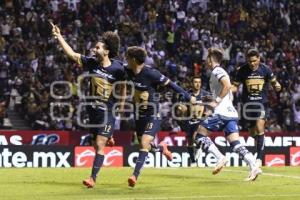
<point x="208" y="146"/>
<point x="139" y="163"/>
<point x="260" y="145"/>
<point x="98" y="161"/>
<point x="191" y="153"/>
<point x="244" y="153"/>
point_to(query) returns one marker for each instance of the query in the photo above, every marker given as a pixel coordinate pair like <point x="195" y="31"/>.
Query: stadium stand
<point x="176" y="34"/>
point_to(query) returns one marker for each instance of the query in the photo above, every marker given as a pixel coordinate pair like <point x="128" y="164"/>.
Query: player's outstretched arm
<point x="67" y="49"/>
<point x="180" y="90"/>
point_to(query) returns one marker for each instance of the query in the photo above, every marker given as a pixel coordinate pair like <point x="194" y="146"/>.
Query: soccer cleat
<point x="110" y="142"/>
<point x="132" y="181"/>
<point x="254" y="174"/>
<point x="89" y="183"/>
<point x="166" y="151"/>
<point x="258" y="162"/>
<point x="219" y="166"/>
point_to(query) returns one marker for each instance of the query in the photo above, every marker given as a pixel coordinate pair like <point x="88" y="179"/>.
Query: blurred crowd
<point x="176" y="34"/>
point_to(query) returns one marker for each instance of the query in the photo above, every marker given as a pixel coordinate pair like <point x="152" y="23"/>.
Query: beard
<point x="99" y="57"/>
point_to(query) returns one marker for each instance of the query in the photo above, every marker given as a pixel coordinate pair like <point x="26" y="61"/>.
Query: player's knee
<point x="99" y="149"/>
<point x="100" y="143"/>
<point x="145" y="144"/>
<point x="260" y="125"/>
<point x="260" y="130"/>
<point x="203" y="131"/>
<point x="232" y="136"/>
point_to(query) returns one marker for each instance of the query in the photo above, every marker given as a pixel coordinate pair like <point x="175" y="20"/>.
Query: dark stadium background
<point x="176" y="34"/>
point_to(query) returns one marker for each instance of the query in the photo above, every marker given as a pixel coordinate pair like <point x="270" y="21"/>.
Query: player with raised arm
<point x="224" y="117"/>
<point x="189" y="116"/>
<point x="104" y="72"/>
<point x="255" y="77"/>
<point x="146" y="81"/>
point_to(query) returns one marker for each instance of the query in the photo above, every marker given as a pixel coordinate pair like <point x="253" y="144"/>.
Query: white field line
<point x="218" y="196"/>
<point x="242" y="171"/>
<point x="207" y="197"/>
<point x="264" y="173"/>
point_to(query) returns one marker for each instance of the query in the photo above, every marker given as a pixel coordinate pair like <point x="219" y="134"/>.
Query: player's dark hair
<point x="216" y="54"/>
<point x="138" y="53"/>
<point x="111" y="41"/>
<point x="252" y="52"/>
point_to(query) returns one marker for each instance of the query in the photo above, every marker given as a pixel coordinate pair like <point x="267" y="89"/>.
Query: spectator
<point x="296" y="110"/>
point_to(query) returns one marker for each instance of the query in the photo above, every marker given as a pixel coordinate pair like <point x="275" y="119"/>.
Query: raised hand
<point x="55" y="30"/>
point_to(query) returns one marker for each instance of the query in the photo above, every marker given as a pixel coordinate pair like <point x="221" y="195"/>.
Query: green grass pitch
<point x="156" y="184"/>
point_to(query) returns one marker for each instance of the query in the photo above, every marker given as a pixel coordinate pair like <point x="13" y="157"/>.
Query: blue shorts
<point x="98" y="116"/>
<point x="221" y="123"/>
<point x="147" y="125"/>
<point x="252" y="113"/>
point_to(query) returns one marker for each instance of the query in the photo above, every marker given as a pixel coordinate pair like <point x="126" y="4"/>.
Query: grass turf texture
<point x="159" y="183"/>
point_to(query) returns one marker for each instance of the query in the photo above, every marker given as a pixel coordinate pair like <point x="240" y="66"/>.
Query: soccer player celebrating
<point x="104" y="71"/>
<point x="193" y="114"/>
<point x="255" y="77"/>
<point x="224" y="117"/>
<point x="146" y="81"/>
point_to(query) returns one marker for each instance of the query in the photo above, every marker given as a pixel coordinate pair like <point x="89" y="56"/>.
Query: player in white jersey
<point x="224" y="117"/>
<point x="223" y="104"/>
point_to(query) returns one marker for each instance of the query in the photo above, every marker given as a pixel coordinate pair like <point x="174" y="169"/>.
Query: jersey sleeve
<point x="120" y="71"/>
<point x="122" y="75"/>
<point x="87" y="63"/>
<point x="269" y="74"/>
<point x="219" y="73"/>
<point x="157" y="77"/>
